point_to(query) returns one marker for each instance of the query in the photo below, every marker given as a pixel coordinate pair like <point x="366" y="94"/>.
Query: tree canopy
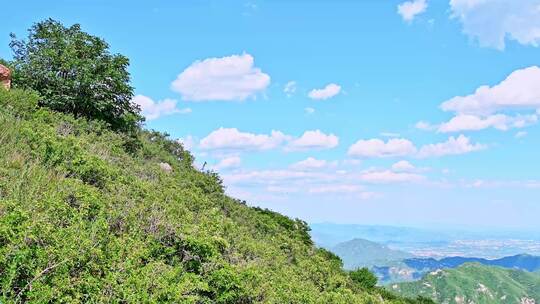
<point x="74" y="72"/>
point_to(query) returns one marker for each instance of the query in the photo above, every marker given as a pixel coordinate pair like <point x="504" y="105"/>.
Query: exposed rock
<point x="527" y="301"/>
<point x="5" y="77"/>
<point x="165" y="167"/>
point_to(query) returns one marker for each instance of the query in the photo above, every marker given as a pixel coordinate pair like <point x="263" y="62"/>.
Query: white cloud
<point x="453" y="146"/>
<point x="491" y="22"/>
<point x="403" y="166"/>
<point x="314" y="140"/>
<point x="387" y="176"/>
<point x="228" y="163"/>
<point x="275" y="177"/>
<point x="409" y="9"/>
<point x="226" y="78"/>
<point x="329" y="91"/>
<point x="153" y="110"/>
<point x="518" y="91"/>
<point x="309" y="110"/>
<point x="232" y="139"/>
<point x="378" y="148"/>
<point x="310" y="163"/>
<point x="467" y="122"/>
<point x="290" y="88"/>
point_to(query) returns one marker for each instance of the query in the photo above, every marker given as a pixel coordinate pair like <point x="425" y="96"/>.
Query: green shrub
<point x="19" y="102"/>
<point x="364" y="278"/>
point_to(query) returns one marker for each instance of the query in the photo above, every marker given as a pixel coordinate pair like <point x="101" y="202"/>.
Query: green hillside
<point x="87" y="217"/>
<point x="363" y="253"/>
<point x="475" y="283"/>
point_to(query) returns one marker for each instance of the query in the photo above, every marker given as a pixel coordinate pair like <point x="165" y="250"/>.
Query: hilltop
<point x="363" y="253"/>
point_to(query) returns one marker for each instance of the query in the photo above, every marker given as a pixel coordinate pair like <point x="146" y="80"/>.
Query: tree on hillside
<point x="74" y="72"/>
<point x="364" y="278"/>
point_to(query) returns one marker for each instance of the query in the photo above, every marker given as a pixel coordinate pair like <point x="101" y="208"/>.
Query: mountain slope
<point x="363" y="253"/>
<point x="473" y="282"/>
<point x="90" y="215"/>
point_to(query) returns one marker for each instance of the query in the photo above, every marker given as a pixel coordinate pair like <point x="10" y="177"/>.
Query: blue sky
<point x="417" y="113"/>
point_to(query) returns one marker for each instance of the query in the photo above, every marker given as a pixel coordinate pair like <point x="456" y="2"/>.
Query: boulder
<point x="165" y="167"/>
<point x="5" y="77"/>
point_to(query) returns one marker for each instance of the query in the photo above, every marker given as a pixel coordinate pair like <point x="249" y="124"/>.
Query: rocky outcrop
<point x="5" y="77"/>
<point x="165" y="167"/>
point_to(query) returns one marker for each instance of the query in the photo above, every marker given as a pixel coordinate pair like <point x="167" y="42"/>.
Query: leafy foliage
<point x="75" y="73"/>
<point x="364" y="278"/>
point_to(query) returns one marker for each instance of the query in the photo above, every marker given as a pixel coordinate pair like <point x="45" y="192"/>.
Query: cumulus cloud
<point x="314" y="140"/>
<point x="518" y="91"/>
<point x="467" y="122"/>
<point x="403" y="166"/>
<point x="491" y="22"/>
<point x="227" y="78"/>
<point x="378" y="148"/>
<point x="453" y="146"/>
<point x="512" y="103"/>
<point x="290" y="88"/>
<point x="327" y="92"/>
<point x="410" y="9"/>
<point x="154" y="109"/>
<point x="275" y="177"/>
<point x="233" y="139"/>
<point x="228" y="163"/>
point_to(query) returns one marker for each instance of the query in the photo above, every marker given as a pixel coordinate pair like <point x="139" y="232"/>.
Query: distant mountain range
<point x="363" y="253"/>
<point x="414" y="268"/>
<point x="391" y="265"/>
<point x="521" y="261"/>
<point x="436" y="243"/>
<point x="475" y="283"/>
<point x="329" y="235"/>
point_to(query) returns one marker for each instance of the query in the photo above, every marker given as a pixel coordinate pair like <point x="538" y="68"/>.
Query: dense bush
<point x="363" y="277"/>
<point x="75" y="73"/>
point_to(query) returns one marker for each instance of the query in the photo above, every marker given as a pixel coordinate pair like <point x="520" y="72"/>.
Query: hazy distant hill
<point x="521" y="261"/>
<point x="363" y="253"/>
<point x="328" y="234"/>
<point x="475" y="283"/>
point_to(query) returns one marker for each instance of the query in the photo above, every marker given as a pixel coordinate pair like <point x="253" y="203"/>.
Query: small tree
<point x="75" y="73"/>
<point x="364" y="278"/>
